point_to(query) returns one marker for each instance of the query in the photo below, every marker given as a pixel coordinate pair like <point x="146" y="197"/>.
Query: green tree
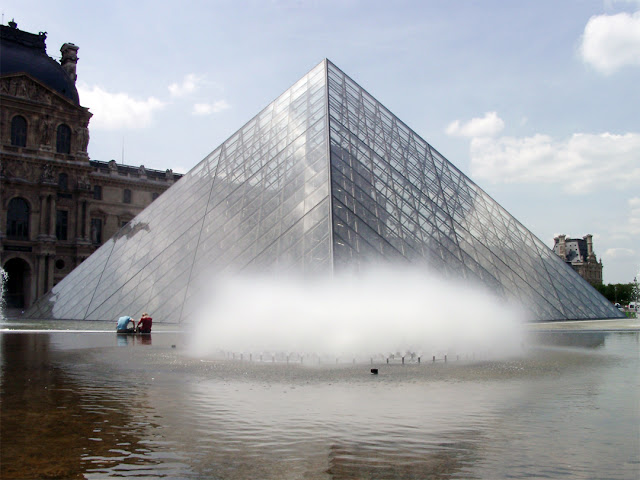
<point x="621" y="293"/>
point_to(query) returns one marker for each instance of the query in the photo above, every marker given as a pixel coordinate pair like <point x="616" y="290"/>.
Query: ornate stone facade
<point x="578" y="252"/>
<point x="58" y="206"/>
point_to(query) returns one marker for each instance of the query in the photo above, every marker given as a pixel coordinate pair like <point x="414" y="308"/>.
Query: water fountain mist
<point x="4" y="277"/>
<point x="383" y="311"/>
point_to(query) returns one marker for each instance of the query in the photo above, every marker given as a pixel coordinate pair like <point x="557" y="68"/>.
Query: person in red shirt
<point x="145" y="321"/>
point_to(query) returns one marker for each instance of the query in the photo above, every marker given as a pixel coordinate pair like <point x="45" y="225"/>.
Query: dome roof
<point x="24" y="52"/>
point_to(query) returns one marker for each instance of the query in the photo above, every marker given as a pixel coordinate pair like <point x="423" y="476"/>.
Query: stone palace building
<point x="578" y="252"/>
<point x="58" y="206"/>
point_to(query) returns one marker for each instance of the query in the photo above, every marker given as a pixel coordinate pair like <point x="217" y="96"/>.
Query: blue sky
<point x="538" y="102"/>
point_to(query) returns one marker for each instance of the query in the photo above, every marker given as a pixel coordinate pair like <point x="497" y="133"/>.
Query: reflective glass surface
<point x="259" y="201"/>
<point x="395" y="197"/>
<point x="324" y="178"/>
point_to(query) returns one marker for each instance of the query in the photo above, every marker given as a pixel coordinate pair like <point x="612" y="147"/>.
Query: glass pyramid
<point x="323" y="179"/>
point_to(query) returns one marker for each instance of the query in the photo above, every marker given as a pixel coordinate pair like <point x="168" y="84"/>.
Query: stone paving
<point x="615" y="324"/>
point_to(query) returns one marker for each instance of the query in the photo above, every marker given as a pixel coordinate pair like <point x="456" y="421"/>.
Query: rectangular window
<point x="127" y="196"/>
<point x="18" y="219"/>
<point x="63" y="139"/>
<point x="96" y="231"/>
<point x="63" y="181"/>
<point x="19" y="131"/>
<point x="97" y="192"/>
<point x="62" y="221"/>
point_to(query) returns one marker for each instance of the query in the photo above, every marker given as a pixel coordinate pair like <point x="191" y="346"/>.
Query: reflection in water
<point x="133" y="339"/>
<point x="53" y="426"/>
<point x="371" y="461"/>
<point x="570" y="339"/>
<point x="105" y="405"/>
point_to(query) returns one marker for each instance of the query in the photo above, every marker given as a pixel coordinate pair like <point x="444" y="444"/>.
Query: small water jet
<point x="4" y="278"/>
<point x="399" y="310"/>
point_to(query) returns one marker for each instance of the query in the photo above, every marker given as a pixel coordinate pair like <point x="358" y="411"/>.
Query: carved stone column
<point x="33" y="294"/>
<point x="81" y="213"/>
<point x="52" y="216"/>
<point x="40" y="280"/>
<point x="78" y="222"/>
<point x="42" y="225"/>
<point x="87" y="222"/>
<point x="49" y="272"/>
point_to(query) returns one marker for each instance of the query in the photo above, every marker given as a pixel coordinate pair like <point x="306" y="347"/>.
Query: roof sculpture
<point x="322" y="180"/>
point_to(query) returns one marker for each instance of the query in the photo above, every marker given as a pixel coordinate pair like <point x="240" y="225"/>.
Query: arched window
<point x="63" y="139"/>
<point x="19" y="131"/>
<point x="18" y="219"/>
<point x="16" y="292"/>
<point x="63" y="181"/>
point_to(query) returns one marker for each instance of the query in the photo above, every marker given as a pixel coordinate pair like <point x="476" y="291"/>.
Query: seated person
<point x="145" y="321"/>
<point x="126" y="325"/>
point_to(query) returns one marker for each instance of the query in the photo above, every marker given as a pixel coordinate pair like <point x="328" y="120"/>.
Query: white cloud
<point x="580" y="164"/>
<point x="634" y="216"/>
<point x="118" y="110"/>
<point x="189" y="84"/>
<point x="610" y="42"/>
<point x="618" y="253"/>
<point x="209" y="108"/>
<point x="487" y="126"/>
<point x="612" y="3"/>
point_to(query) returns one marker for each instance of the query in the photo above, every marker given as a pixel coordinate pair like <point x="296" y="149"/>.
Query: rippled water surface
<point x="94" y="405"/>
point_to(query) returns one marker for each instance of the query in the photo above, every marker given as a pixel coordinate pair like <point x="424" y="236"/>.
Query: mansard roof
<point x="24" y="52"/>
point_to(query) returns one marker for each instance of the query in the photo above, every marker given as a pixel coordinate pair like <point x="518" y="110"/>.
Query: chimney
<point x="562" y="248"/>
<point x="69" y="59"/>
<point x="589" y="239"/>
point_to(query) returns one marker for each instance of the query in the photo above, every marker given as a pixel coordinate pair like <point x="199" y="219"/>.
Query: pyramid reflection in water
<point x="322" y="180"/>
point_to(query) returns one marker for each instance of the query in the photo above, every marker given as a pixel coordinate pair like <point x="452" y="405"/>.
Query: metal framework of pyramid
<point x="323" y="179"/>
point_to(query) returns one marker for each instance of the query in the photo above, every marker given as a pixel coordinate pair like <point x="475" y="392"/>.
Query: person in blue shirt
<point x="126" y="325"/>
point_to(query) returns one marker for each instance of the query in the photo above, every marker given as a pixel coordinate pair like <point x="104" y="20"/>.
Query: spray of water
<point x="382" y="311"/>
<point x="4" y="277"/>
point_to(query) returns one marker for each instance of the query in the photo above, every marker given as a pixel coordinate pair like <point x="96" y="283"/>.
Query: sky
<point x="537" y="102"/>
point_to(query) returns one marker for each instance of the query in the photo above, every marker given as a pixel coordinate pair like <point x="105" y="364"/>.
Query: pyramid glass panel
<point x="415" y="202"/>
<point x="324" y="179"/>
